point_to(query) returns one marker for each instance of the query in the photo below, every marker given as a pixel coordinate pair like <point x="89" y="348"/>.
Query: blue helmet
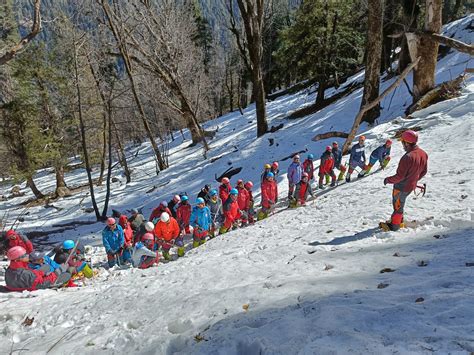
<point x="184" y="198"/>
<point x="199" y="200"/>
<point x="310" y="156"/>
<point x="270" y="174"/>
<point x="213" y="192"/>
<point x="234" y="192"/>
<point x="68" y="244"/>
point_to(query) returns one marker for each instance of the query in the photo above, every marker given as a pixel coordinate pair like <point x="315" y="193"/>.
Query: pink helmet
<point x="305" y="174"/>
<point x="110" y="221"/>
<point x="240" y="181"/>
<point x="225" y="180"/>
<point x="176" y="198"/>
<point x="148" y="236"/>
<point x="248" y="185"/>
<point x="328" y="148"/>
<point x="275" y="165"/>
<point x="16" y="253"/>
<point x="388" y="143"/>
<point x="410" y="137"/>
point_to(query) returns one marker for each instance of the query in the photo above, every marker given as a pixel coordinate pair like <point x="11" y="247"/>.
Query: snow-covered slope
<point x="302" y="281"/>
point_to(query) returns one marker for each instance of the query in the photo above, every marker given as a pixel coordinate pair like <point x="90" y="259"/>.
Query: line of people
<point x="138" y="242"/>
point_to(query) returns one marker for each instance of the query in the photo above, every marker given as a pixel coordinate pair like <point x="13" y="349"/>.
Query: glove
<point x="385" y="181"/>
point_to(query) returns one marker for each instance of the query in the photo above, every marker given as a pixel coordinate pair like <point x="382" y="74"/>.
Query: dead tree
<point x="35" y="29"/>
<point x="372" y="104"/>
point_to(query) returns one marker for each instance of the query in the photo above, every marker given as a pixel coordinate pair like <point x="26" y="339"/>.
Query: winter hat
<point x="36" y="256"/>
<point x="16" y="253"/>
<point x="11" y="233"/>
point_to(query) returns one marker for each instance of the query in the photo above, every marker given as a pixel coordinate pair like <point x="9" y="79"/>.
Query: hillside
<point x="302" y="281"/>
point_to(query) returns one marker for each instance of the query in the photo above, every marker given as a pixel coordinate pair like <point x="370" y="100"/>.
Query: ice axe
<point x="422" y="190"/>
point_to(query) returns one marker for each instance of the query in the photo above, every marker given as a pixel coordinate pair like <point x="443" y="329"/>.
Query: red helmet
<point x="388" y="143"/>
<point x="328" y="148"/>
<point x="409" y="137"/>
<point x="275" y="165"/>
<point x="240" y="181"/>
<point x="10" y="234"/>
<point x="305" y="174"/>
<point x="16" y="253"/>
<point x="148" y="236"/>
<point x="225" y="180"/>
<point x="248" y="185"/>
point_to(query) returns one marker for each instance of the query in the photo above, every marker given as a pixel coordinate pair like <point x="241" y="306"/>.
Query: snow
<point x="308" y="278"/>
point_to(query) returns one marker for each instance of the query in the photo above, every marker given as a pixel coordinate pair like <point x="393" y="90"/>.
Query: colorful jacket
<point x="380" y="153"/>
<point x="269" y="193"/>
<point x="302" y="190"/>
<point x="294" y="173"/>
<point x="337" y="154"/>
<point x="201" y="218"/>
<point x="411" y="168"/>
<point x="357" y="154"/>
<point x="20" y="240"/>
<point x="139" y="253"/>
<point x="231" y="210"/>
<point x="308" y="167"/>
<point x="167" y="231"/>
<point x="19" y="277"/>
<point x="183" y="213"/>
<point x="127" y="231"/>
<point x="243" y="198"/>
<point x="216" y="210"/>
<point x="224" y="191"/>
<point x="156" y="213"/>
<point x="327" y="163"/>
<point x="113" y="240"/>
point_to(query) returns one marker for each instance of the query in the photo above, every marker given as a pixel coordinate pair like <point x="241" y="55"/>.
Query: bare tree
<point x="373" y="58"/>
<point x="252" y="13"/>
<point x="35" y="29"/>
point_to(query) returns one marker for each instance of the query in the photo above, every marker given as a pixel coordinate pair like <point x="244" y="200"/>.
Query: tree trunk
<point x="31" y="184"/>
<point x="373" y="59"/>
<point x="262" y="125"/>
<point x="321" y="90"/>
<point x="424" y="74"/>
<point x="109" y="166"/>
<point x="61" y="187"/>
<point x="83" y="134"/>
<point x="121" y="155"/>
<point x="104" y="150"/>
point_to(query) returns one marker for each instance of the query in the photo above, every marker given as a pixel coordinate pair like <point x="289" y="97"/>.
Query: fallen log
<point x="327" y="135"/>
<point x="443" y="91"/>
<point x="374" y="103"/>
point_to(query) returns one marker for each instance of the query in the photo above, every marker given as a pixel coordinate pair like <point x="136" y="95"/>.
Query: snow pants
<point x="291" y="189"/>
<point x="398" y="201"/>
<point x="356" y="164"/>
<point x="199" y="235"/>
<point x="148" y="261"/>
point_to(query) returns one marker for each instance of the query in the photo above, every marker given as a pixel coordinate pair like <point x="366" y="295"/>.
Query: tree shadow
<point x="350" y="238"/>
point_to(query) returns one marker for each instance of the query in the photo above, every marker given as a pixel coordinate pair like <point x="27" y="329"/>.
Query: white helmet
<point x="149" y="226"/>
<point x="165" y="217"/>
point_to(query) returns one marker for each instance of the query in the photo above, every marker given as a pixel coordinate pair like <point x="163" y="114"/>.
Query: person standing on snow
<point x="357" y="158"/>
<point x="19" y="277"/>
<point x="217" y="216"/>
<point x="136" y="220"/>
<point x="251" y="210"/>
<point x="381" y="154"/>
<point x="128" y="235"/>
<point x="143" y="255"/>
<point x="167" y="233"/>
<point x="14" y="239"/>
<point x="275" y="169"/>
<point x="200" y="221"/>
<point x="411" y="168"/>
<point x="308" y="166"/>
<point x="224" y="189"/>
<point x="156" y="213"/>
<point x="269" y="195"/>
<point x="113" y="241"/>
<point x="294" y="174"/>
<point x="231" y="212"/>
<point x="302" y="191"/>
<point x="326" y="167"/>
<point x="183" y="213"/>
<point x="337" y="154"/>
<point x="243" y="200"/>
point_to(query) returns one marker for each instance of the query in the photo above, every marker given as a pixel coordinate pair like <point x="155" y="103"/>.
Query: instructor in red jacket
<point x="411" y="168"/>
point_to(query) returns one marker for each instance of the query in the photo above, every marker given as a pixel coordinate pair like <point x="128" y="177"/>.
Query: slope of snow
<point x="307" y="277"/>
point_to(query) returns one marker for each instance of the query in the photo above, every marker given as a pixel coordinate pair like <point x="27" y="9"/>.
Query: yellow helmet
<point x="267" y="166"/>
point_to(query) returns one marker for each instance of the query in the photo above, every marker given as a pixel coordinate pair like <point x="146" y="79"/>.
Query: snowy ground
<point x="303" y="281"/>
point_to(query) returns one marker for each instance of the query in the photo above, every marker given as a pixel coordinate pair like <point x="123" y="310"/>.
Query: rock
<point x="382" y="285"/>
<point x="419" y="300"/>
<point x="386" y="269"/>
<point x="88" y="210"/>
<point x="63" y="192"/>
<point x="114" y="179"/>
